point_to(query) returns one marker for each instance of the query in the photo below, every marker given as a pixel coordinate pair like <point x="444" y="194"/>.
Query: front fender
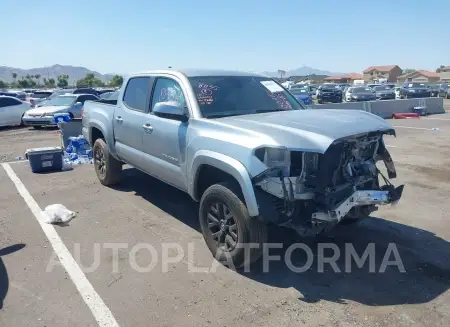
<point x="109" y="137"/>
<point x="228" y="165"/>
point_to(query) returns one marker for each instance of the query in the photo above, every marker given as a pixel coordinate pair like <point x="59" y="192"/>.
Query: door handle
<point x="119" y="119"/>
<point x="148" y="128"/>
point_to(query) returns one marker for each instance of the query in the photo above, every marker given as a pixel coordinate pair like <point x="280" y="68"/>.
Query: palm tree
<point x="37" y="77"/>
<point x="14" y="76"/>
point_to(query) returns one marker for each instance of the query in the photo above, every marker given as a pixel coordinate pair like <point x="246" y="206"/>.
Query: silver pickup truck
<point x="247" y="150"/>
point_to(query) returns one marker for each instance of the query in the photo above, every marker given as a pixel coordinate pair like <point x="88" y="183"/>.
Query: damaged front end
<point x="312" y="192"/>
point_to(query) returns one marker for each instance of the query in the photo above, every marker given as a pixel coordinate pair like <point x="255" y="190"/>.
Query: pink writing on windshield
<point x="281" y="100"/>
<point x="206" y="93"/>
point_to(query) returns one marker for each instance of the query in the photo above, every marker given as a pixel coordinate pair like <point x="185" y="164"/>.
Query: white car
<point x="397" y="92"/>
<point x="12" y="110"/>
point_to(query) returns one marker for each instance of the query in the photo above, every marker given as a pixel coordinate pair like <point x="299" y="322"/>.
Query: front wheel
<point x="227" y="228"/>
<point x="107" y="168"/>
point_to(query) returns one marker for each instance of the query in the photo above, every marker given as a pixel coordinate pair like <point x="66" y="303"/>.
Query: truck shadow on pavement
<point x="424" y="256"/>
<point x="4" y="279"/>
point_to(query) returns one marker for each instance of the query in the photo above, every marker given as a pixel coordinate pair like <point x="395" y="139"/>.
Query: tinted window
<point x="137" y="93"/>
<point x="83" y="98"/>
<point x="166" y="90"/>
<point x="41" y="95"/>
<point x="6" y="102"/>
<point x="219" y="96"/>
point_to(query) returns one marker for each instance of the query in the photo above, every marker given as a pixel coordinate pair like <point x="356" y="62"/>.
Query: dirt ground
<point x="145" y="211"/>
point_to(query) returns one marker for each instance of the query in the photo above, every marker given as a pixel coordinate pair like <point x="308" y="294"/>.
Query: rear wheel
<point x="227" y="227"/>
<point x="107" y="168"/>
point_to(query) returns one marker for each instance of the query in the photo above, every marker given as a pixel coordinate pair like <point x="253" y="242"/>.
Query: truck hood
<point x="308" y="130"/>
<point x="46" y="109"/>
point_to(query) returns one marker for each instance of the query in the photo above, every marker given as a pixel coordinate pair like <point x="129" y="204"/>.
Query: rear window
<point x="137" y="93"/>
<point x="41" y="95"/>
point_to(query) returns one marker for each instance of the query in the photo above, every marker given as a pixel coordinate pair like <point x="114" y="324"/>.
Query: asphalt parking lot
<point x="145" y="211"/>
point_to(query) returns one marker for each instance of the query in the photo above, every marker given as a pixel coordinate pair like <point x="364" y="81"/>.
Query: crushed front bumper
<point x="360" y="198"/>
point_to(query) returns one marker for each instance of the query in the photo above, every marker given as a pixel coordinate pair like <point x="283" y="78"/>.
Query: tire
<point x="107" y="168"/>
<point x="218" y="202"/>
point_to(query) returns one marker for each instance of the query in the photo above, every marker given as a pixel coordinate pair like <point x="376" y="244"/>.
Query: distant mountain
<point x="75" y="73"/>
<point x="303" y="71"/>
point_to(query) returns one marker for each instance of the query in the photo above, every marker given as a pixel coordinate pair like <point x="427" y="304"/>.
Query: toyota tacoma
<point x="247" y="150"/>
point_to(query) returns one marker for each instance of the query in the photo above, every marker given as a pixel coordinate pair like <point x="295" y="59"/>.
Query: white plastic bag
<point x="58" y="214"/>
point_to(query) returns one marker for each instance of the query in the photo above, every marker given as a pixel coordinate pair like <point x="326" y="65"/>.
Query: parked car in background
<point x="397" y="91"/>
<point x="343" y="86"/>
<point x="384" y="92"/>
<point x="329" y="92"/>
<point x="38" y="96"/>
<point x="66" y="103"/>
<point x="360" y="93"/>
<point x="390" y="85"/>
<point x="55" y="94"/>
<point x="434" y="90"/>
<point x="372" y="85"/>
<point x="86" y="90"/>
<point x="11" y="110"/>
<point x="245" y="149"/>
<point x="15" y="94"/>
<point x="414" y="90"/>
<point x="444" y="90"/>
<point x="302" y="95"/>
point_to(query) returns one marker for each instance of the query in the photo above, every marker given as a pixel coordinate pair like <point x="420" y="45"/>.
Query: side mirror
<point x="78" y="103"/>
<point x="171" y="110"/>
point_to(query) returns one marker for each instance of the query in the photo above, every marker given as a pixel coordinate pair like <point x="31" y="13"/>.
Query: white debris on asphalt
<point x="58" y="214"/>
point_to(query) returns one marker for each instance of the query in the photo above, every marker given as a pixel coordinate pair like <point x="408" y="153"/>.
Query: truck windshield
<point x="61" y="101"/>
<point x="221" y="96"/>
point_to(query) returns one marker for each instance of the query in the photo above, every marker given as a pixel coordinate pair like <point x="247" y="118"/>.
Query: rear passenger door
<point x="129" y="117"/>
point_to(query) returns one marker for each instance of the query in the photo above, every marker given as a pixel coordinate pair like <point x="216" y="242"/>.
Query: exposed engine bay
<point x="319" y="190"/>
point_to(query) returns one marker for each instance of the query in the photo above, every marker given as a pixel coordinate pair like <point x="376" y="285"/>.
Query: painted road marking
<point x="422" y="128"/>
<point x="101" y="312"/>
<point x="390" y="146"/>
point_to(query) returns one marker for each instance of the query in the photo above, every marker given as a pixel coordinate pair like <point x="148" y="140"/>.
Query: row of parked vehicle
<point x="336" y="93"/>
<point x="37" y="107"/>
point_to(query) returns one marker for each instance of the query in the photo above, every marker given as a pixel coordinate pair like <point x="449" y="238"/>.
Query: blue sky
<point x="133" y="35"/>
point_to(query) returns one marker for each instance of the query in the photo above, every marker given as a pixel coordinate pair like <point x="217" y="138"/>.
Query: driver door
<point x="164" y="139"/>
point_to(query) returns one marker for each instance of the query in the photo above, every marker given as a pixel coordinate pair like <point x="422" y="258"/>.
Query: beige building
<point x="375" y="73"/>
<point x="420" y="76"/>
<point x="344" y="79"/>
<point x="444" y="75"/>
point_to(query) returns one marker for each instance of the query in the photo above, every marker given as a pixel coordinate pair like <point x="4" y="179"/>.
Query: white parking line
<point x="422" y="128"/>
<point x="390" y="146"/>
<point x="101" y="312"/>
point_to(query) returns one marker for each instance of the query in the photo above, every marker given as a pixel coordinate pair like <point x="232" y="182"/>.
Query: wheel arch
<point x="216" y="167"/>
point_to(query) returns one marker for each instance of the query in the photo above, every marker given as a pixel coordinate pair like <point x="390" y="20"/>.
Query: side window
<point x="166" y="90"/>
<point x="2" y="102"/>
<point x="81" y="99"/>
<point x="137" y="92"/>
<point x="10" y="102"/>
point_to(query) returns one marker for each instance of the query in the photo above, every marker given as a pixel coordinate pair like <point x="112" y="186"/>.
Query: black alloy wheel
<point x="223" y="227"/>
